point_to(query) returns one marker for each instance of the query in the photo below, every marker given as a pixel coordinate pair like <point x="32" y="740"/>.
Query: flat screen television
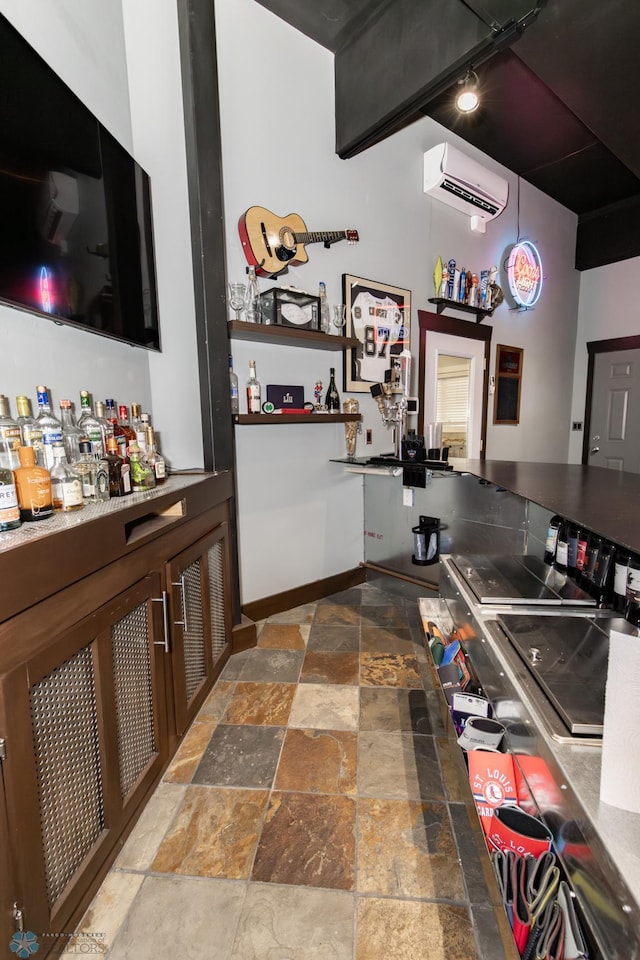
<point x="76" y="240"/>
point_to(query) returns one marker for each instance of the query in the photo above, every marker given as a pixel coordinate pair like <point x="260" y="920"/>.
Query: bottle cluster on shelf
<point x="254" y="394"/>
<point x="608" y="573"/>
<point x="50" y="463"/>
<point x="460" y="285"/>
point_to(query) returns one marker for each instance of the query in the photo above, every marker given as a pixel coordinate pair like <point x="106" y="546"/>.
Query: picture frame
<point x="378" y="315"/>
<point x="506" y="402"/>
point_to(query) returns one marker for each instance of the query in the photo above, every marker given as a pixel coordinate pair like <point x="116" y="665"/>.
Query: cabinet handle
<point x="183" y="600"/>
<point x="165" y="622"/>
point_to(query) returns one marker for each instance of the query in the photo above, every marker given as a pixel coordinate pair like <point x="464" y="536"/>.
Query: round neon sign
<point x="524" y="272"/>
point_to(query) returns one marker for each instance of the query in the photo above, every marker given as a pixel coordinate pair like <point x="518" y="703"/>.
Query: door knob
<point x="594" y="450"/>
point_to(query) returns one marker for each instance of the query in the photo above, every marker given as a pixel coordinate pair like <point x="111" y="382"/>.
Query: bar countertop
<point x="604" y="501"/>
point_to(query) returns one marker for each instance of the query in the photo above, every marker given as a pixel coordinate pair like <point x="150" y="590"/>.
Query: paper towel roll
<point x="620" y="772"/>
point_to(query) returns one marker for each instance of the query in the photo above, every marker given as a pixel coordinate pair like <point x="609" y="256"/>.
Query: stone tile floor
<point x="315" y="810"/>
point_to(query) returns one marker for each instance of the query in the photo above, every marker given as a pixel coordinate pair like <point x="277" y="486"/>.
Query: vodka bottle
<point x="141" y="430"/>
<point x="31" y="432"/>
<point x="66" y="483"/>
<point x="33" y="487"/>
<point x="9" y="509"/>
<point x="87" y="467"/>
<point x="154" y="458"/>
<point x="90" y="427"/>
<point x="71" y="434"/>
<point x="50" y="425"/>
<point x="10" y="436"/>
<point x="233" y="388"/>
<point x="252" y="302"/>
<point x="325" y="312"/>
<point x="254" y="390"/>
<point x="332" y="399"/>
<point x="107" y="427"/>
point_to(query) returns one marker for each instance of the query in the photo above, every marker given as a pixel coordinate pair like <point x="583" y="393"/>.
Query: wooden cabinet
<point x="99" y="679"/>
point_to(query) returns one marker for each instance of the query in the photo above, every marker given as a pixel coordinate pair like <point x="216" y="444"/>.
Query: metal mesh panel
<point x="193" y="632"/>
<point x="134" y="695"/>
<point x="216" y="600"/>
<point x="67" y="754"/>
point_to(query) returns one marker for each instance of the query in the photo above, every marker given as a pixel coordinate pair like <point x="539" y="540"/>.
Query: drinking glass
<point x="236" y="297"/>
<point x="339" y="315"/>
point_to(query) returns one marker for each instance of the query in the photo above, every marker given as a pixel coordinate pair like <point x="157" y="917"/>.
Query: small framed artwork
<point x="379" y="317"/>
<point x="506" y="402"/>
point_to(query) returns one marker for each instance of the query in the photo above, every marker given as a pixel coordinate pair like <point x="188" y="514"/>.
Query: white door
<point x="614" y="439"/>
<point x="442" y="344"/>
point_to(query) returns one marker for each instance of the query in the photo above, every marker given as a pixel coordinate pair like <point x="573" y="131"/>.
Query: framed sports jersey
<point x="379" y="317"/>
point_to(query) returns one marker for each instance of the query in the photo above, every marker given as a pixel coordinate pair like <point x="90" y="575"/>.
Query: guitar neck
<point x="330" y="237"/>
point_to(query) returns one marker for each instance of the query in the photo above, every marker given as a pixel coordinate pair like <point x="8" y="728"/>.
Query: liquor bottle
<point x="572" y="551"/>
<point x="602" y="588"/>
<point x="632" y="608"/>
<point x="71" y="434"/>
<point x="33" y="487"/>
<point x="252" y="302"/>
<point x="50" y="425"/>
<point x="30" y="431"/>
<point x="332" y="397"/>
<point x="87" y="467"/>
<point x="141" y="432"/>
<point x="621" y="568"/>
<point x="118" y="432"/>
<point x="101" y="417"/>
<point x="90" y="427"/>
<point x="233" y="388"/>
<point x="136" y="410"/>
<point x="552" y="539"/>
<point x="590" y="562"/>
<point x="142" y="476"/>
<point x="9" y="509"/>
<point x="66" y="484"/>
<point x="127" y="430"/>
<point x="10" y="436"/>
<point x="562" y="548"/>
<point x="154" y="458"/>
<point x="254" y="390"/>
<point x="581" y="553"/>
<point x="325" y="313"/>
<point x="119" y="471"/>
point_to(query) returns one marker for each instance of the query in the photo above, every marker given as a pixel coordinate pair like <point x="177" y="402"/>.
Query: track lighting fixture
<point x="467" y="95"/>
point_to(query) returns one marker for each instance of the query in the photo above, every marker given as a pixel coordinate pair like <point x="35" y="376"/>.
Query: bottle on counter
<point x="128" y="432"/>
<point x="325" y="312"/>
<point x="142" y="476"/>
<point x="141" y="431"/>
<point x="50" y="426"/>
<point x="136" y="411"/>
<point x="106" y="425"/>
<point x="332" y="398"/>
<point x="122" y="436"/>
<point x="621" y="568"/>
<point x="572" y="550"/>
<point x="552" y="539"/>
<point x="9" y="508"/>
<point x="233" y="388"/>
<point x="87" y="466"/>
<point x="254" y="390"/>
<point x="119" y="471"/>
<point x="590" y="562"/>
<point x="562" y="548"/>
<point x="33" y="487"/>
<point x="252" y="302"/>
<point x="71" y="433"/>
<point x="66" y="483"/>
<point x="581" y="553"/>
<point x="602" y="585"/>
<point x="10" y="436"/>
<point x="30" y="431"/>
<point x="154" y="458"/>
<point x="632" y="607"/>
<point x="90" y="427"/>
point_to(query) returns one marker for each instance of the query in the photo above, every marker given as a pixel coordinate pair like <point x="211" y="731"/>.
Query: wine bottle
<point x="632" y="608"/>
<point x="562" y="548"/>
<point x="581" y="553"/>
<point x="591" y="562"/>
<point x="552" y="539"/>
<point x="572" y="551"/>
<point x="621" y="568"/>
<point x="332" y="399"/>
<point x="254" y="390"/>
<point x="602" y="588"/>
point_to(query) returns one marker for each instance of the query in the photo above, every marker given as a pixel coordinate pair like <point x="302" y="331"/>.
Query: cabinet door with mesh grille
<point x="200" y="621"/>
<point x="86" y="739"/>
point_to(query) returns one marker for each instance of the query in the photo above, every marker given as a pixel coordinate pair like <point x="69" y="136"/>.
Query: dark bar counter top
<point x="604" y="501"/>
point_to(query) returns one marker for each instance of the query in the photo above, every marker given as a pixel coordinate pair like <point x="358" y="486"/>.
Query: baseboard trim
<point x="244" y="635"/>
<point x="307" y="593"/>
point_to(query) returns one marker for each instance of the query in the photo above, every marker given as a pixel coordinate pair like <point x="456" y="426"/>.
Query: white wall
<point x="84" y="42"/>
<point x="300" y="516"/>
<point x="606" y="310"/>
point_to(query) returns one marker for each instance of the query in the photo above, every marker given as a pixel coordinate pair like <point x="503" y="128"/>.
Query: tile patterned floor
<point x="316" y="809"/>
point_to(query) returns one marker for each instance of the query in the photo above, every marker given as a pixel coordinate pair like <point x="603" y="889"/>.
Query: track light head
<point x="467" y="95"/>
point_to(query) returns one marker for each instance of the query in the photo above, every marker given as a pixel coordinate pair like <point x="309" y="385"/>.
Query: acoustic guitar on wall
<point x="272" y="243"/>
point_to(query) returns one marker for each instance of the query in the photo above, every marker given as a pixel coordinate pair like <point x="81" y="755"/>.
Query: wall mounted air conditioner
<point x="455" y="179"/>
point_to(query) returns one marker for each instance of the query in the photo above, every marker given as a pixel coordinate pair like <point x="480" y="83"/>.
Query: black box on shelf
<point x="290" y="308"/>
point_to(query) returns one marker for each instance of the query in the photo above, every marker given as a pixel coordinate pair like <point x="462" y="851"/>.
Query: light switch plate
<point x="407" y="496"/>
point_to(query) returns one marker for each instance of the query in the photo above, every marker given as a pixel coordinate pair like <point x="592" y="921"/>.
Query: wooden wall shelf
<point x="442" y="303"/>
<point x="271" y="418"/>
<point x="288" y="336"/>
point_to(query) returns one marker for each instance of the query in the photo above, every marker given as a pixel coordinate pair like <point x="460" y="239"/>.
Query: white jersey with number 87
<point x="377" y="323"/>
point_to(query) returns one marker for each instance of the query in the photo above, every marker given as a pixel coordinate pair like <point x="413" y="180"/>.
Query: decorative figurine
<point x="317" y="392"/>
<point x="437" y="277"/>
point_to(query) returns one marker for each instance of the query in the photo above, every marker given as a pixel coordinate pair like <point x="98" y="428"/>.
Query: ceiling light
<point x="467" y="96"/>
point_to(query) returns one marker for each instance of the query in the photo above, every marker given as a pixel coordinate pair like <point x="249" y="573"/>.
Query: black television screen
<point x="76" y="242"/>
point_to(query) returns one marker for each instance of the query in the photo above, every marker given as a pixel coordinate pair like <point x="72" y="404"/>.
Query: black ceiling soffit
<point x="552" y="76"/>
